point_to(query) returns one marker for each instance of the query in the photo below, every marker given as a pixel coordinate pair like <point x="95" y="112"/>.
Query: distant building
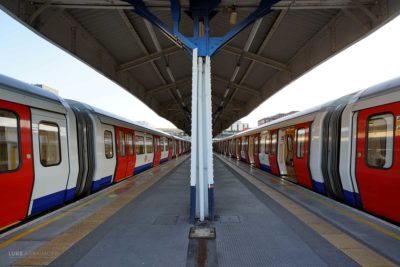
<point x="238" y="127"/>
<point x="274" y="117"/>
<point x="173" y="131"/>
<point x="47" y="88"/>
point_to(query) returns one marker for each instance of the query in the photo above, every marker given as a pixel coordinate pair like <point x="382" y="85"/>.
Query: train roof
<point x="32" y="95"/>
<point x="380" y="89"/>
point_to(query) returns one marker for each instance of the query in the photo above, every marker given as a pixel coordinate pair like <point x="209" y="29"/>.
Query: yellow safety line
<point x="47" y="222"/>
<point x="342" y="241"/>
<point x="64" y="241"/>
<point x="346" y="213"/>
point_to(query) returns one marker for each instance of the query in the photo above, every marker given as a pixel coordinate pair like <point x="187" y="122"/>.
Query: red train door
<point x="273" y="160"/>
<point x="301" y="152"/>
<point x="157" y="151"/>
<point x="16" y="166"/>
<point x="130" y="153"/>
<point x="256" y="150"/>
<point x="378" y="160"/>
<point x="122" y="158"/>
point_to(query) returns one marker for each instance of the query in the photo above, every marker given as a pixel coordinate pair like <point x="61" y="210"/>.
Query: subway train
<point x="347" y="149"/>
<point x="54" y="151"/>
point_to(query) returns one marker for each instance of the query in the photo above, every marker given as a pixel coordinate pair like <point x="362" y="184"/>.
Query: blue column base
<point x="192" y="217"/>
<point x="211" y="209"/>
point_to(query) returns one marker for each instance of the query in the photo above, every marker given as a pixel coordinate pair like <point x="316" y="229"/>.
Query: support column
<point x="201" y="176"/>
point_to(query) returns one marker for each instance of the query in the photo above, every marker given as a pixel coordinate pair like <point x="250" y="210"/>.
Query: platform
<point x="261" y="221"/>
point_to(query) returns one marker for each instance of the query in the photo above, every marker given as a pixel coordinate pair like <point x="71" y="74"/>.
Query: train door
<point x="378" y="161"/>
<point x="16" y="164"/>
<point x="256" y="150"/>
<point x="250" y="152"/>
<point x="244" y="151"/>
<point x="264" y="147"/>
<point x="50" y="151"/>
<point x="301" y="155"/>
<point x="149" y="151"/>
<point x="273" y="159"/>
<point x="140" y="152"/>
<point x="122" y="158"/>
<point x="131" y="156"/>
<point x="238" y="147"/>
<point x="170" y="149"/>
<point x="157" y="151"/>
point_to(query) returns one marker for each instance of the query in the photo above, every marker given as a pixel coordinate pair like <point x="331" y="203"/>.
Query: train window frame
<point x="268" y="141"/>
<point x="131" y="147"/>
<point x="298" y="144"/>
<point x="152" y="144"/>
<point x="112" y="145"/>
<point x="121" y="148"/>
<point x="274" y="149"/>
<point x="59" y="143"/>
<point x="366" y="148"/>
<point x="256" y="144"/>
<point x="143" y="144"/>
<point x="18" y="141"/>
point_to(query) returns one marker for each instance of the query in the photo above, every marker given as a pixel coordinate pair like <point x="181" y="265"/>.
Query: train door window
<point x="149" y="144"/>
<point x="129" y="140"/>
<point x="267" y="143"/>
<point x="122" y="151"/>
<point x="301" y="140"/>
<point x="49" y="144"/>
<point x="256" y="144"/>
<point x="165" y="144"/>
<point x="262" y="143"/>
<point x="380" y="141"/>
<point x="108" y="144"/>
<point x="139" y="143"/>
<point x="161" y="144"/>
<point x="274" y="140"/>
<point x="9" y="144"/>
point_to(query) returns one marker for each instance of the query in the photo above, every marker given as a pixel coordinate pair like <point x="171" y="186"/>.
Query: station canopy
<point x="294" y="37"/>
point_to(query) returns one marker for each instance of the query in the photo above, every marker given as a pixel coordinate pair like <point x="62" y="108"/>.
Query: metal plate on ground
<point x="201" y="232"/>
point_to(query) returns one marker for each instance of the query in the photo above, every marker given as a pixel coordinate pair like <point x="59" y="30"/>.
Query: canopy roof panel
<point x="295" y="37"/>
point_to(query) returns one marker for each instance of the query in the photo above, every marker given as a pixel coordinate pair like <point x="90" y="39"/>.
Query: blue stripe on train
<point x="101" y="183"/>
<point x="142" y="168"/>
<point x="163" y="160"/>
<point x="265" y="167"/>
<point x="319" y="187"/>
<point x="352" y="198"/>
<point x="47" y="202"/>
<point x="70" y="194"/>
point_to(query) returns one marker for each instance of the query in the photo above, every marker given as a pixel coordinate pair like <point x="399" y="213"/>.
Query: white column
<point x="202" y="198"/>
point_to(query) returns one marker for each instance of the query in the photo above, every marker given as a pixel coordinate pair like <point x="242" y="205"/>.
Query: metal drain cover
<point x="201" y="232"/>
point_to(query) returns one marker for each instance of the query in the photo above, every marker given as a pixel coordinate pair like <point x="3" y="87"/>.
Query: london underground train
<point x="347" y="149"/>
<point x="54" y="151"/>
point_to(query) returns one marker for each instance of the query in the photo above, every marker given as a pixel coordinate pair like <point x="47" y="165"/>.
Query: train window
<point x="273" y="143"/>
<point x="139" y="143"/>
<point x="49" y="144"/>
<point x="129" y="140"/>
<point x="256" y="144"/>
<point x="380" y="141"/>
<point x="122" y="151"/>
<point x="262" y="143"/>
<point x="301" y="140"/>
<point x="165" y="144"/>
<point x="108" y="144"/>
<point x="267" y="143"/>
<point x="149" y="144"/>
<point x="9" y="144"/>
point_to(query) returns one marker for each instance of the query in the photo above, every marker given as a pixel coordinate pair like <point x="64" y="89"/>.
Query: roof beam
<point x="233" y="85"/>
<point x="148" y="58"/>
<point x="255" y="57"/>
<point x="165" y="5"/>
<point x="169" y="86"/>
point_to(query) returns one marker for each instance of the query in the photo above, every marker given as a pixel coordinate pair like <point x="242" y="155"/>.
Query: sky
<point x="28" y="57"/>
